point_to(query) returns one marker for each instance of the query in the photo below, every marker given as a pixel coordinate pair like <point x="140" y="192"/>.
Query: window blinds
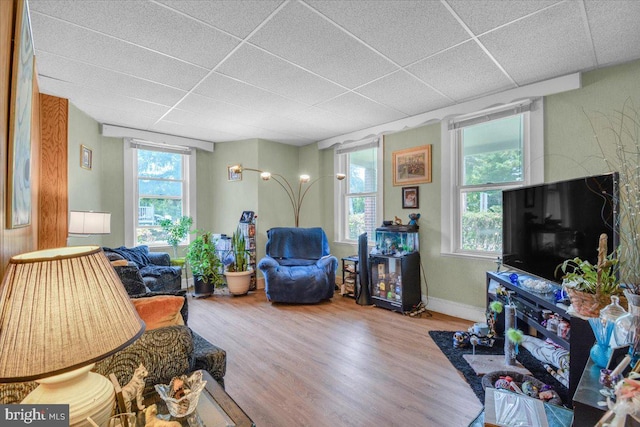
<point x="492" y="114"/>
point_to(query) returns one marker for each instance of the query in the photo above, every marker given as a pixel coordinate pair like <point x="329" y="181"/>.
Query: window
<point x="490" y="152"/>
<point x="359" y="201"/>
<point x="159" y="188"/>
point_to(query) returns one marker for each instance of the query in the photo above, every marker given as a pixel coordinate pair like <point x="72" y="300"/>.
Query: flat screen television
<point x="543" y="225"/>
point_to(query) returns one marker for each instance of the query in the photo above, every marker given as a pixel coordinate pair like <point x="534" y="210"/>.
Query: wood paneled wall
<point x="54" y="199"/>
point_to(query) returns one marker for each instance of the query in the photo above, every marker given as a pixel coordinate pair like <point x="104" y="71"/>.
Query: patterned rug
<point x="444" y="340"/>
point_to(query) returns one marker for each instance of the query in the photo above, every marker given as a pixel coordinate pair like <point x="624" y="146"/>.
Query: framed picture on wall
<point x="19" y="148"/>
<point x="233" y="175"/>
<point x="86" y="157"/>
<point x="410" y="197"/>
<point x="412" y="166"/>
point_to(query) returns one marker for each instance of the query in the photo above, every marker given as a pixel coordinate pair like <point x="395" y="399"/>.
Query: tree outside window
<point x="492" y="160"/>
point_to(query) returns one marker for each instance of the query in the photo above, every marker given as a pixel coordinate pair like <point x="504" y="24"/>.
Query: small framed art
<point x="410" y="198"/>
<point x="233" y="175"/>
<point x="86" y="157"/>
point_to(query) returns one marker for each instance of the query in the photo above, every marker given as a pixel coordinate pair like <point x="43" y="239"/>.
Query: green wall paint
<point x="96" y="189"/>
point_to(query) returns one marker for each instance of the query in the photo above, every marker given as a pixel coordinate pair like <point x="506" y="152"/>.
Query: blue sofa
<point x="297" y="267"/>
<point x="152" y="271"/>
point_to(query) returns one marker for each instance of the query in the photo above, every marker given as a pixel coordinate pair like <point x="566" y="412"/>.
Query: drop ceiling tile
<point x="405" y="93"/>
<point x="147" y="24"/>
<point x="236" y="17"/>
<point x="81" y="74"/>
<point x="257" y="67"/>
<point x="483" y="15"/>
<point x="83" y="95"/>
<point x="219" y="109"/>
<point x="305" y="38"/>
<point x="303" y="128"/>
<point x="69" y="41"/>
<point x="225" y="89"/>
<point x="615" y="29"/>
<point x="549" y="44"/>
<point x="405" y="31"/>
<point x="356" y="107"/>
<point x="188" y="118"/>
<point x="116" y="116"/>
<point x="203" y="133"/>
<point x="463" y="72"/>
<point x="322" y="118"/>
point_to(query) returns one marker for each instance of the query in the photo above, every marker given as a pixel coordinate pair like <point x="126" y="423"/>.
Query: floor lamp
<point x="296" y="198"/>
<point x="62" y="310"/>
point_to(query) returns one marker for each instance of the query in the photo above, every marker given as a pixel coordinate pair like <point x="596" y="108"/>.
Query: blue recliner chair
<point x="298" y="267"/>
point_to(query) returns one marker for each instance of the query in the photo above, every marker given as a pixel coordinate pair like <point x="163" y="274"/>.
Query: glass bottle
<point x="628" y="326"/>
<point x="611" y="313"/>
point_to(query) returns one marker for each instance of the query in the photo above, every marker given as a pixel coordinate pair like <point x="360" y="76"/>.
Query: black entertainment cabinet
<point x="529" y="305"/>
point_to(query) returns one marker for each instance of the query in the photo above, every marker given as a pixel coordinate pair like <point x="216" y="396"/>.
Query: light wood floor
<point x="334" y="363"/>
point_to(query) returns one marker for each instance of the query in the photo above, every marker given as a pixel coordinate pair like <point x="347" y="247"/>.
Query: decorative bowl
<point x="182" y="404"/>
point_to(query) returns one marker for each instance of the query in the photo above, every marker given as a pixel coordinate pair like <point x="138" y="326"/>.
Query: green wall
<point x="570" y="151"/>
<point x="100" y="188"/>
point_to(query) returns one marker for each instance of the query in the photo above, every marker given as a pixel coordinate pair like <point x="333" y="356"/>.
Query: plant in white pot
<point x="237" y="272"/>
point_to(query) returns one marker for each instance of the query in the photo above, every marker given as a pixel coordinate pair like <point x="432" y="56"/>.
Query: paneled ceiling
<point x="298" y="72"/>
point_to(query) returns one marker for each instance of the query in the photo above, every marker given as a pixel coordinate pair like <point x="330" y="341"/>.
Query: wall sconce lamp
<point x="295" y="198"/>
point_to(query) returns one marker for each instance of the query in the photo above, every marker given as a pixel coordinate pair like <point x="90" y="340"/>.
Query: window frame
<point x="341" y="222"/>
<point x="453" y="164"/>
<point x="131" y="186"/>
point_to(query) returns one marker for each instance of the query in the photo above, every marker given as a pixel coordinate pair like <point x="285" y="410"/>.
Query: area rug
<point x="444" y="341"/>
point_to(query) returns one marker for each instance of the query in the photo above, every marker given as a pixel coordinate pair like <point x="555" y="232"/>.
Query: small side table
<point x="350" y="276"/>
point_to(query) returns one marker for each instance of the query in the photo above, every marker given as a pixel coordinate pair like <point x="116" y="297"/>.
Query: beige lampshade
<point x="84" y="223"/>
<point x="61" y="309"/>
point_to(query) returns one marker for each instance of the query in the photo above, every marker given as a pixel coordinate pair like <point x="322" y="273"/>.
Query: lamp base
<point x="87" y="393"/>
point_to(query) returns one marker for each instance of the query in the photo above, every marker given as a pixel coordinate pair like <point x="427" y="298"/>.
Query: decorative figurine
<point x="134" y="388"/>
<point x="397" y="221"/>
<point x="460" y="339"/>
<point x="414" y="217"/>
<point x="151" y="420"/>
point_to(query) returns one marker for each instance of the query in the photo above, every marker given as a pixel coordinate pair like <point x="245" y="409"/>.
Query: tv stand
<point x="529" y="312"/>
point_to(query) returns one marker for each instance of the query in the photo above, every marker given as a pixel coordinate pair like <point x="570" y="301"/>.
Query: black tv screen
<point x="543" y="225"/>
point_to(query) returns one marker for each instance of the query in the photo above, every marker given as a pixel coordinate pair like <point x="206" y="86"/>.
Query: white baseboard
<point x="455" y="309"/>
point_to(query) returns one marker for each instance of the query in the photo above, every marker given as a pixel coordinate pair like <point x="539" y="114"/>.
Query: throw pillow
<point x="160" y="310"/>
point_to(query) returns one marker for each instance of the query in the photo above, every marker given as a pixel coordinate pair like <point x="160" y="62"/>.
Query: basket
<point x="489" y="379"/>
<point x="589" y="305"/>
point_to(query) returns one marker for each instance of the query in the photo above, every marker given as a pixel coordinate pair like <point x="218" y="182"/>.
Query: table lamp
<point x="62" y="310"/>
<point x="85" y="223"/>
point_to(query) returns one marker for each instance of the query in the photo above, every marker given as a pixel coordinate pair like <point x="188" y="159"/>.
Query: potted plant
<point x="176" y="231"/>
<point x="590" y="286"/>
<point x="237" y="267"/>
<point x="205" y="264"/>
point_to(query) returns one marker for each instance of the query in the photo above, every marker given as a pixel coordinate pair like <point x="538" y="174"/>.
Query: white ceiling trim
<point x="544" y="88"/>
<point x="124" y="132"/>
